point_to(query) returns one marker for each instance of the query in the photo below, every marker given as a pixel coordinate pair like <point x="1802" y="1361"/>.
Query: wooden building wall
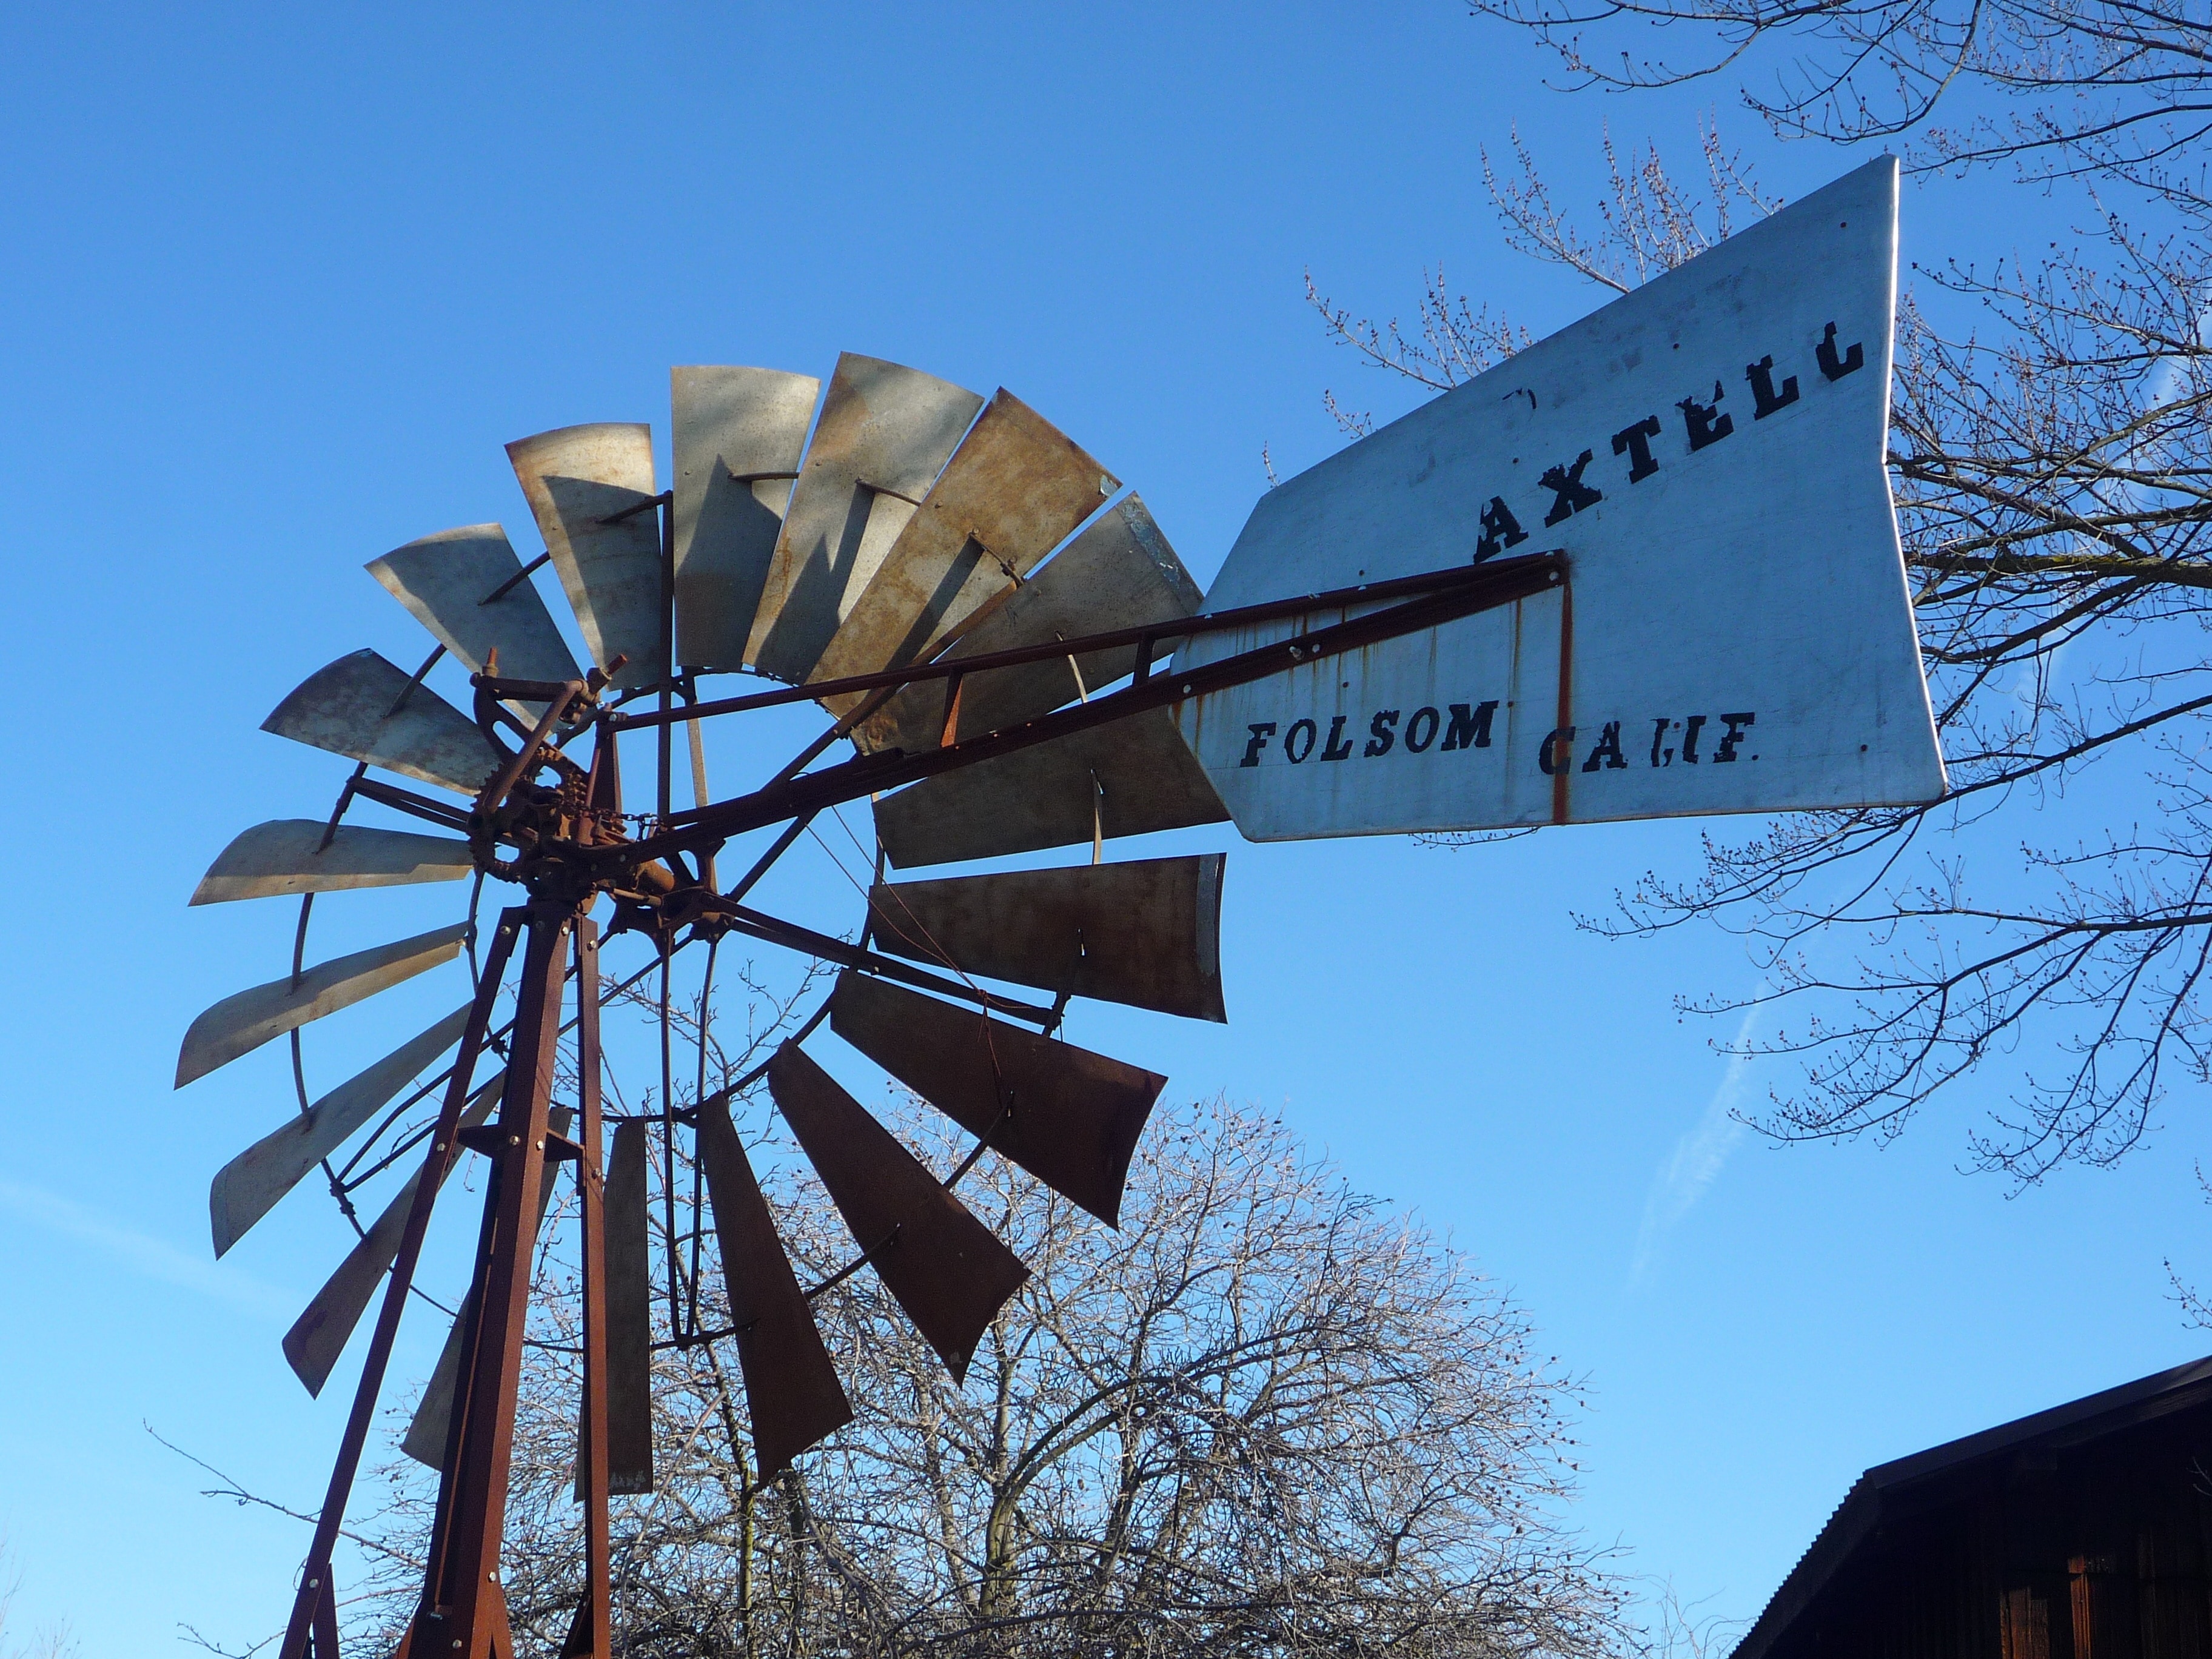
<point x="2096" y="1552"/>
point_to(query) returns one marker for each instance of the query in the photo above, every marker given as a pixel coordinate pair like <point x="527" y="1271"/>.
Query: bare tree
<point x="2048" y="449"/>
<point x="1268" y="1415"/>
<point x="53" y="1642"/>
<point x="2098" y="90"/>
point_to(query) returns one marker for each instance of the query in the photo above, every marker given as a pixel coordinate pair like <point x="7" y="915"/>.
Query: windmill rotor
<point x="909" y="527"/>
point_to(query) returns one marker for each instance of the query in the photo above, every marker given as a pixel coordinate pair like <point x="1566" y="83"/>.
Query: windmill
<point x="1018" y="662"/>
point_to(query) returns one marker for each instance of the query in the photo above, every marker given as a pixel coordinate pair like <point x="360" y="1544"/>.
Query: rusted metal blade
<point x="287" y="855"/>
<point x="1068" y="1116"/>
<point x="739" y="434"/>
<point x="630" y="1315"/>
<point x="247" y="1187"/>
<point x="1010" y="494"/>
<point x="948" y="1270"/>
<point x="242" y="1023"/>
<point x="363" y="708"/>
<point x="576" y="478"/>
<point x="884" y="434"/>
<point x="1118" y="573"/>
<point x="1147" y="932"/>
<point x="1127" y="779"/>
<point x="792" y="1389"/>
<point x="446" y="580"/>
<point x="425" y="1441"/>
<point x="318" y="1335"/>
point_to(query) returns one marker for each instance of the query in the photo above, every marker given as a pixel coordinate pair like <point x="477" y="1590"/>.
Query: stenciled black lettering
<point x="1725" y="749"/>
<point x="1380" y="737"/>
<point x="1607" y="750"/>
<point x="1500" y="529"/>
<point x="1834" y="367"/>
<point x="1336" y="748"/>
<point x="1470" y="727"/>
<point x="1261" y="731"/>
<point x="1557" y="752"/>
<point x="1706" y="424"/>
<point x="1418" y="736"/>
<point x="1297" y="751"/>
<point x="1764" y="398"/>
<point x="1690" y="737"/>
<point x="1570" y="495"/>
<point x="1659" y="736"/>
<point x="1635" y="442"/>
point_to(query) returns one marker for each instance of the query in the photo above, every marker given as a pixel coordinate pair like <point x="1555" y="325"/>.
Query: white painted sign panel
<point x="1736" y="634"/>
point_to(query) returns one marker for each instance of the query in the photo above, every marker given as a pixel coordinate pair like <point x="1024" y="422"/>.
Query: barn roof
<point x="1862" y="1511"/>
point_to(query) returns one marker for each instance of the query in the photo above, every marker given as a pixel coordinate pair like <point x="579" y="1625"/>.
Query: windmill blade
<point x="1118" y="573"/>
<point x="427" y="1430"/>
<point x="792" y="1389"/>
<point x="1147" y="932"/>
<point x="243" y="1022"/>
<point x="363" y="708"/>
<point x="1130" y="778"/>
<point x="318" y="1335"/>
<point x="1010" y="494"/>
<point x="575" y="479"/>
<point x="628" y="1305"/>
<point x="287" y="855"/>
<point x="247" y="1187"/>
<point x="1068" y="1116"/>
<point x="948" y="1270"/>
<point x="739" y="434"/>
<point x="884" y="433"/>
<point x="446" y="582"/>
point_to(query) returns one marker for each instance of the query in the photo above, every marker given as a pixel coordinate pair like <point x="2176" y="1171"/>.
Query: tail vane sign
<point x="1736" y="634"/>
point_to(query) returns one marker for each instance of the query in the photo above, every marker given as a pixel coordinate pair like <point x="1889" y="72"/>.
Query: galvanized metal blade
<point x="318" y="1335"/>
<point x="575" y="479"/>
<point x="739" y="434"/>
<point x="242" y="1023"/>
<point x="948" y="1270"/>
<point x="1068" y="1116"/>
<point x="446" y="582"/>
<point x="427" y="1430"/>
<point x="1131" y="778"/>
<point x="1118" y="573"/>
<point x="287" y="855"/>
<point x="1012" y="492"/>
<point x="792" y="1389"/>
<point x="247" y="1187"/>
<point x="630" y="1314"/>
<point x="884" y="434"/>
<point x="1146" y="932"/>
<point x="366" y="709"/>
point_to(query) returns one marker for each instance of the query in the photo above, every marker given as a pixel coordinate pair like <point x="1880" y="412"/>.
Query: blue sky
<point x="274" y="287"/>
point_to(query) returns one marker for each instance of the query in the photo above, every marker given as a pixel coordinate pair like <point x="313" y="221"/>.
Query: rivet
<point x="541" y="1146"/>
